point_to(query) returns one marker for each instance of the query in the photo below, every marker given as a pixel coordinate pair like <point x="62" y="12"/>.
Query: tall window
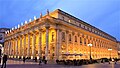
<point x="75" y="38"/>
<point x="63" y="36"/>
<point x="85" y="41"/>
<point x="69" y="37"/>
<point x="80" y="40"/>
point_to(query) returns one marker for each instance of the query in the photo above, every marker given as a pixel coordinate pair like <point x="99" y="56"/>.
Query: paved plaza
<point x="20" y="64"/>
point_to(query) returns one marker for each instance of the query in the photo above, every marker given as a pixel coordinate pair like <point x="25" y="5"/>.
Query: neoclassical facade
<point x="59" y="35"/>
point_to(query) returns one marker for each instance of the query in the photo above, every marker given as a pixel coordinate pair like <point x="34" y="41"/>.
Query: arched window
<point x="75" y="38"/>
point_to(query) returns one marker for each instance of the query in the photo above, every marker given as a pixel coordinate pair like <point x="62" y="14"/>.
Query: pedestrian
<point x="24" y="59"/>
<point x="45" y="61"/>
<point x="115" y="60"/>
<point x="35" y="59"/>
<point x="4" y="61"/>
<point x="40" y="60"/>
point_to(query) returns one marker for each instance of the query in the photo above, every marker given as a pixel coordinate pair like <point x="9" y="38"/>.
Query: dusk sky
<point x="103" y="14"/>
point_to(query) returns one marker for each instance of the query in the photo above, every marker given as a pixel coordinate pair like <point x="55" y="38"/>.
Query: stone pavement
<point x="20" y="64"/>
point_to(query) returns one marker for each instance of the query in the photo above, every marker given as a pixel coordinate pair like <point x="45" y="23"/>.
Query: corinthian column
<point x="28" y="49"/>
<point x="20" y="46"/>
<point x="33" y="45"/>
<point x="40" y="43"/>
<point x="47" y="26"/>
<point x="9" y="47"/>
<point x="16" y="46"/>
<point x="67" y="41"/>
<point x="24" y="46"/>
<point x="57" y="43"/>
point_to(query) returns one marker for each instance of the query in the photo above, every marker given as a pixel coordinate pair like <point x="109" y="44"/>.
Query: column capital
<point x="47" y="26"/>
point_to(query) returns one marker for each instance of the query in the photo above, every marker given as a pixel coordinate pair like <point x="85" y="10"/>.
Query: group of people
<point x="40" y="60"/>
<point x="5" y="60"/>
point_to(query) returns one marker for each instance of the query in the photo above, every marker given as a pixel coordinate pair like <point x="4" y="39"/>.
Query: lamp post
<point x="90" y="45"/>
<point x="110" y="52"/>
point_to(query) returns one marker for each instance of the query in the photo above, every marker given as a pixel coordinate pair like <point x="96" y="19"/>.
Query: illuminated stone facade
<point x="59" y="35"/>
<point x="118" y="44"/>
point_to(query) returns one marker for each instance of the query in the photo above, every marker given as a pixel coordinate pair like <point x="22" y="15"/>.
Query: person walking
<point x="40" y="60"/>
<point x="4" y="61"/>
<point x="24" y="59"/>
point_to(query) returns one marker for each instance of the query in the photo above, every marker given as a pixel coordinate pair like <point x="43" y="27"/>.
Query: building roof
<point x="77" y="19"/>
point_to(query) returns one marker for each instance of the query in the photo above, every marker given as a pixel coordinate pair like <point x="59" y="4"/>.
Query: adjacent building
<point x="59" y="35"/>
<point x="2" y="35"/>
<point x="118" y="44"/>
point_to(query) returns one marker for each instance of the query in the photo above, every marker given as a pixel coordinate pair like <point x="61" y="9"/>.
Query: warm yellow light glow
<point x="90" y="44"/>
<point x="37" y="57"/>
<point x="31" y="57"/>
<point x="109" y="49"/>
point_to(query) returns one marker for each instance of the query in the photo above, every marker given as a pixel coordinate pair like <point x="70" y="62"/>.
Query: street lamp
<point x="90" y="45"/>
<point x="110" y="52"/>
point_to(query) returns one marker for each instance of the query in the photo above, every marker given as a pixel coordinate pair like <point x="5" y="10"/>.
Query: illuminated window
<point x="69" y="20"/>
<point x="63" y="36"/>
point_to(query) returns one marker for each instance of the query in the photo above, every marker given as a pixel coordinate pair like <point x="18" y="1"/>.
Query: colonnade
<point x="33" y="44"/>
<point x="38" y="43"/>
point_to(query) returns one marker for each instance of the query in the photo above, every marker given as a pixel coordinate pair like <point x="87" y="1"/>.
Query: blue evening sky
<point x="103" y="14"/>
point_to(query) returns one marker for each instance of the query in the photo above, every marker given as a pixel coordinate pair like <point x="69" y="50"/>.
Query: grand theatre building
<point x="59" y="35"/>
